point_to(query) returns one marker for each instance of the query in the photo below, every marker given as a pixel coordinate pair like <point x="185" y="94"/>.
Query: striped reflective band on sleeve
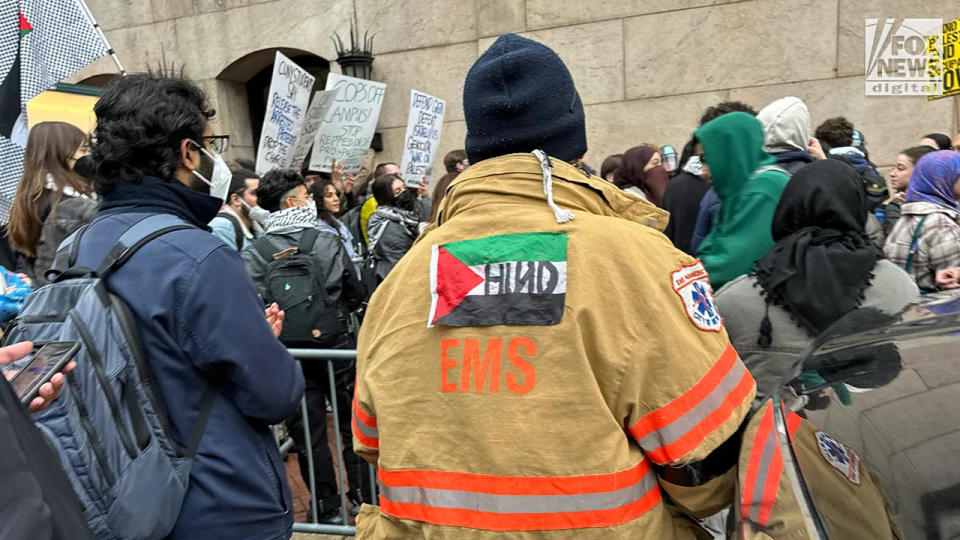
<point x="519" y="503"/>
<point x="364" y="425"/>
<point x="765" y="467"/>
<point x="670" y="433"/>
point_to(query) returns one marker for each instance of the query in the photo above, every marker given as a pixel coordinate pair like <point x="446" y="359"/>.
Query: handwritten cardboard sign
<point x="286" y="110"/>
<point x="423" y="137"/>
<point x="349" y="125"/>
<point x="322" y="101"/>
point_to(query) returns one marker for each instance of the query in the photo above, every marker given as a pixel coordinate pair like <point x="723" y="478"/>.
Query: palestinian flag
<point x="10" y="101"/>
<point x="41" y="43"/>
<point x="511" y="279"/>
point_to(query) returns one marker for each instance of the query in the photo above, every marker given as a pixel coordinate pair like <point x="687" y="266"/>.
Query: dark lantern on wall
<point x="356" y="61"/>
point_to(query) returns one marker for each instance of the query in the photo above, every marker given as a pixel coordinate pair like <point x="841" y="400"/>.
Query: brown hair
<point x="439" y="192"/>
<point x="452" y="158"/>
<point x="50" y="146"/>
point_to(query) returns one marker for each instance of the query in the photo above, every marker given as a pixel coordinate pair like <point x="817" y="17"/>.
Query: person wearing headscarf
<point x="926" y="238"/>
<point x="641" y="173"/>
<point x="822" y="266"/>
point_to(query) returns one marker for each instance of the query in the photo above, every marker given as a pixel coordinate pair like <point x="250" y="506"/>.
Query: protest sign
<point x="286" y="108"/>
<point x="322" y="101"/>
<point x="348" y="127"/>
<point x="423" y="136"/>
<point x="948" y="67"/>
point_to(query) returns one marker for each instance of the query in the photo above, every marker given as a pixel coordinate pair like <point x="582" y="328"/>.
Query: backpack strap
<point x="265" y="248"/>
<point x="66" y="256"/>
<point x="237" y="229"/>
<point x="200" y="426"/>
<point x="767" y="168"/>
<point x="138" y="236"/>
<point x="307" y="241"/>
<point x="915" y="245"/>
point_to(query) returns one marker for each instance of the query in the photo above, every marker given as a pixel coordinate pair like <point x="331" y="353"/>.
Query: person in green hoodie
<point x="749" y="185"/>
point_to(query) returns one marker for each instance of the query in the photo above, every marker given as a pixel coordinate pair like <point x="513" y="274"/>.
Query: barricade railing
<point x="328" y="356"/>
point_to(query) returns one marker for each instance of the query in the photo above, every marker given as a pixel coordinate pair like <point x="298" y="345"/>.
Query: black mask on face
<point x="405" y="200"/>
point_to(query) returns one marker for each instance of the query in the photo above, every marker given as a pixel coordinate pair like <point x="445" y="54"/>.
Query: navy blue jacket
<point x="202" y="323"/>
<point x="709" y="206"/>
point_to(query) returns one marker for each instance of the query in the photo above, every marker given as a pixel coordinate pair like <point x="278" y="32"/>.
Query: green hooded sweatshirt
<point x="740" y="234"/>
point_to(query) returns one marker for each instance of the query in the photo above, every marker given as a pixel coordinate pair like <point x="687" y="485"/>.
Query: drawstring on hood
<point x="562" y="215"/>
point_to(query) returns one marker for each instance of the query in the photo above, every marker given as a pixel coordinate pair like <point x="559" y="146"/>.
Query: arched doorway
<point x="248" y="79"/>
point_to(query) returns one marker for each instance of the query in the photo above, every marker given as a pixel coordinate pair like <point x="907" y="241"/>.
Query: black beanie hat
<point x="518" y="97"/>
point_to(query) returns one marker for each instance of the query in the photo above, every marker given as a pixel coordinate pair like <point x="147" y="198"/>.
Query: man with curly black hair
<point x="836" y="137"/>
<point x="725" y="107"/>
<point x="199" y="318"/>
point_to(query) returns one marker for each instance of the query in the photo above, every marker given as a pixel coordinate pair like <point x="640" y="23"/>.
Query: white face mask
<point x="256" y="213"/>
<point x="220" y="183"/>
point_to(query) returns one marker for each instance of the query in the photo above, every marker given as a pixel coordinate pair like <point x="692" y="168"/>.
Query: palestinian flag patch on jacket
<point x="513" y="279"/>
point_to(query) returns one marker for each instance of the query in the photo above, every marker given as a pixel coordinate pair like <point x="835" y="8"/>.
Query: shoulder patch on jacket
<point x="692" y="285"/>
<point x="510" y="279"/>
<point x="839" y="456"/>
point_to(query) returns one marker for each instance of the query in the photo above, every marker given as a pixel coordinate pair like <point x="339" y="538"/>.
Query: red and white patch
<point x="839" y="456"/>
<point x="692" y="285"/>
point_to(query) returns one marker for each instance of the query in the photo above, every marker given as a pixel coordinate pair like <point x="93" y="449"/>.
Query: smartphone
<point x="46" y="362"/>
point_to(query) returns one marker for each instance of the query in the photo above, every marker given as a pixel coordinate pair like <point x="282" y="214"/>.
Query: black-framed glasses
<point x="218" y="143"/>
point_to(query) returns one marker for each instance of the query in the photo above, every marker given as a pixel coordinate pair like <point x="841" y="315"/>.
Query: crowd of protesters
<point x="792" y="224"/>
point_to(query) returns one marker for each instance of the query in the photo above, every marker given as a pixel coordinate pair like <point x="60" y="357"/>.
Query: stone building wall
<point x="645" y="69"/>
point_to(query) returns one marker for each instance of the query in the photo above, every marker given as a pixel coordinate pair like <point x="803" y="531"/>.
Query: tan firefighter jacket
<point x="520" y="375"/>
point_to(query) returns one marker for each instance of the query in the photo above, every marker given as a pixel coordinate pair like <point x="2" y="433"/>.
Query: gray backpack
<point x="109" y="426"/>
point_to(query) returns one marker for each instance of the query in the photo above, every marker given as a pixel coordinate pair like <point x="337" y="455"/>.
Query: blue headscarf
<point x="933" y="178"/>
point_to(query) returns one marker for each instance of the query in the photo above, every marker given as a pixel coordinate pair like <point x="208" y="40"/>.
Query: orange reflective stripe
<point x="361" y="414"/>
<point x="764" y="468"/>
<point x="519" y="503"/>
<point x="514" y="485"/>
<point x="793" y="423"/>
<point x="365" y="431"/>
<point x="671" y="432"/>
<point x="494" y="521"/>
<point x="682" y="404"/>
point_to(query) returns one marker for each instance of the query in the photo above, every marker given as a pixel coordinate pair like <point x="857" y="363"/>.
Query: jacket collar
<point x="520" y="176"/>
<point x="257" y="228"/>
<point x="157" y="195"/>
<point x="922" y="208"/>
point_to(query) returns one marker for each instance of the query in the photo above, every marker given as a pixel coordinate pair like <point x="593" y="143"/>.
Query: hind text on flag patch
<point x="512" y="279"/>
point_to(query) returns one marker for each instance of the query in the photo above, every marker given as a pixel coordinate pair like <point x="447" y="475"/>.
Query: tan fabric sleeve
<point x="686" y="390"/>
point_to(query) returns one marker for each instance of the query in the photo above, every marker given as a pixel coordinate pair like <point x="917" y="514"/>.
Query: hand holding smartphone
<point x="47" y="361"/>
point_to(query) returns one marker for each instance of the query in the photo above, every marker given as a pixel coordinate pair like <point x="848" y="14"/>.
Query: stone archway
<point x="243" y="87"/>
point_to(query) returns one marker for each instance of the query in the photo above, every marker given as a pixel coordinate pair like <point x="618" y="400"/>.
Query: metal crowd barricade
<point x="328" y="355"/>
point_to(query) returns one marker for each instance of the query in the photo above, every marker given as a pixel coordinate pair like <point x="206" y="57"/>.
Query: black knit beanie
<point x="518" y="97"/>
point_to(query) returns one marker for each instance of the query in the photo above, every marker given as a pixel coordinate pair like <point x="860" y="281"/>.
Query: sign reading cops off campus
<point x="286" y="107"/>
<point x="902" y="57"/>
<point x="423" y="136"/>
<point x="322" y="101"/>
<point x="348" y="127"/>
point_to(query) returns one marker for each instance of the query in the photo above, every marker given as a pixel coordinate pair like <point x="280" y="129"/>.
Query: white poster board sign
<point x="349" y="125"/>
<point x="423" y="137"/>
<point x="322" y="101"/>
<point x="286" y="109"/>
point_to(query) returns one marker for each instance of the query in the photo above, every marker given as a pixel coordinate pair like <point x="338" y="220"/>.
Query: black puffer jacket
<point x="391" y="232"/>
<point x="71" y="214"/>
